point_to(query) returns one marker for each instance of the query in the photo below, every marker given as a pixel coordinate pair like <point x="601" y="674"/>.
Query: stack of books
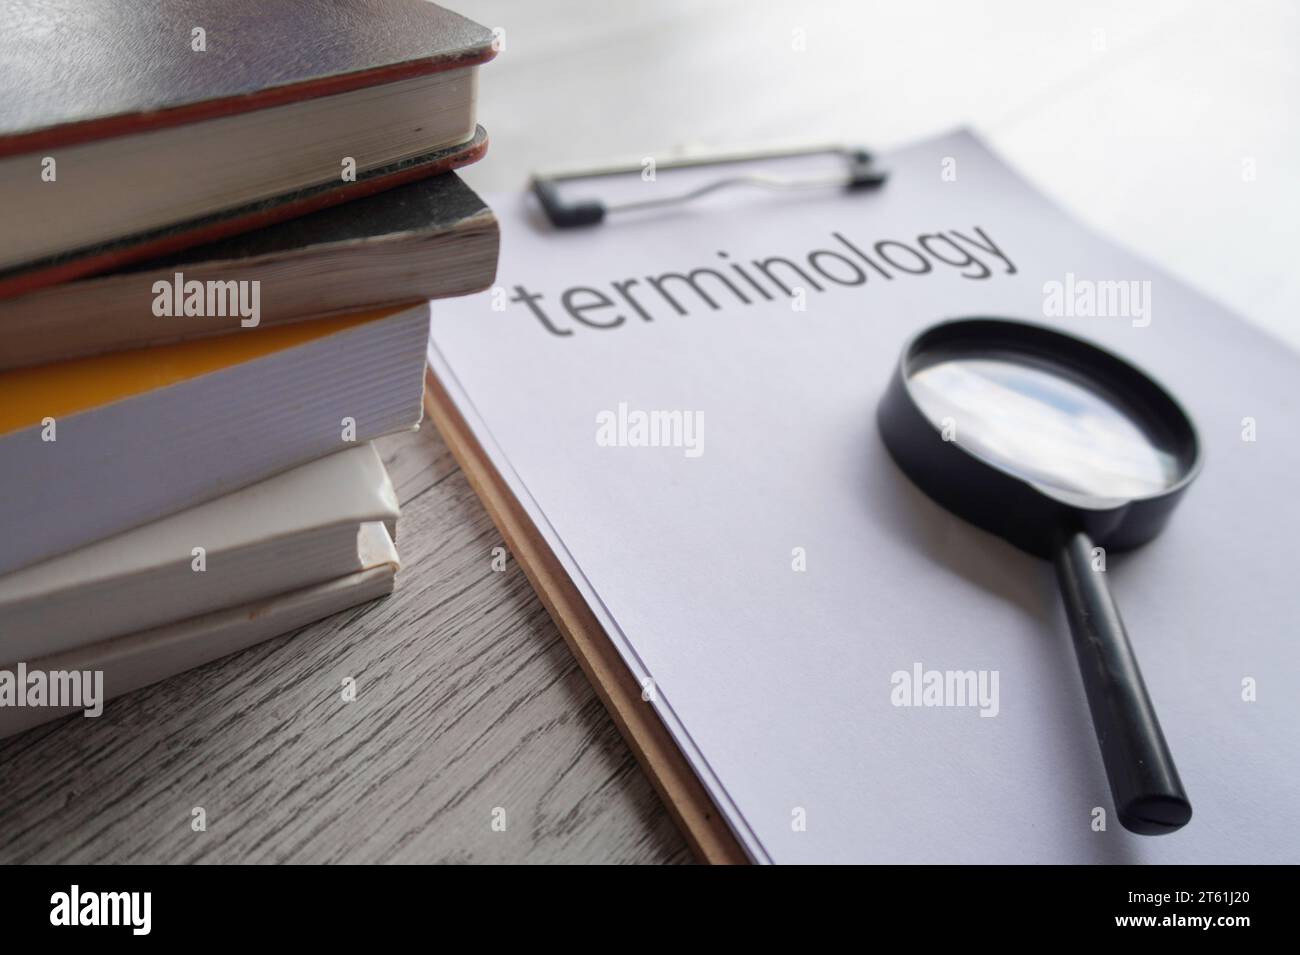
<point x="224" y="221"/>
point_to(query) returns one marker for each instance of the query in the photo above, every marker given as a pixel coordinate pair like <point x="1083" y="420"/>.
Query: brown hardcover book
<point x="137" y="129"/>
<point x="433" y="238"/>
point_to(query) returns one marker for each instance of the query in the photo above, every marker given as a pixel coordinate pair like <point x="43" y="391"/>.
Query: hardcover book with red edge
<point x="130" y="130"/>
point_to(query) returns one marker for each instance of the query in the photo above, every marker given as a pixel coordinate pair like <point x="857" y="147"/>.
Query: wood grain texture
<point x="468" y="701"/>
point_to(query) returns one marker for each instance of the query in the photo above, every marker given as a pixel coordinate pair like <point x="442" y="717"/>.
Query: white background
<point x="1137" y="116"/>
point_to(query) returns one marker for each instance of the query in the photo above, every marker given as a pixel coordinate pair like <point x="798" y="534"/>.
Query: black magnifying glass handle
<point x="1149" y="796"/>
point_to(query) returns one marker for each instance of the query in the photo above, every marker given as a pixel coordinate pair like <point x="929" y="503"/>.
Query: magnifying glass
<point x="1068" y="452"/>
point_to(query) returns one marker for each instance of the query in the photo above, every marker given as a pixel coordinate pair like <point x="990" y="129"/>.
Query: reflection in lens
<point x="1043" y="427"/>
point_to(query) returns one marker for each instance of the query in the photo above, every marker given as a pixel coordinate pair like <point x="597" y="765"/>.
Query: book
<point x="136" y="660"/>
<point x="94" y="446"/>
<point x="298" y="528"/>
<point x="132" y="130"/>
<point x="432" y="238"/>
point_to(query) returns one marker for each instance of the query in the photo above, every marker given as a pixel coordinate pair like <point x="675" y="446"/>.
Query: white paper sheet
<point x="776" y="681"/>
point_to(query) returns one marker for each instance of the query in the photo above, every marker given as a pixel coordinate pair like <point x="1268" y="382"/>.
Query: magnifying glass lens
<point x="1067" y="451"/>
<point x="1040" y="423"/>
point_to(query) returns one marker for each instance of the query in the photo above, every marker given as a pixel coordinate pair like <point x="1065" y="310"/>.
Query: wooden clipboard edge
<point x="692" y="809"/>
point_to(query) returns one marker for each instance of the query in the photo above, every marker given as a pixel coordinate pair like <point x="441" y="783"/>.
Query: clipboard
<point x="696" y="815"/>
<point x="768" y="678"/>
<point x="860" y="173"/>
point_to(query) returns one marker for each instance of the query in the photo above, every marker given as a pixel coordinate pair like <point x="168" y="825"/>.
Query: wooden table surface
<point x="1171" y="126"/>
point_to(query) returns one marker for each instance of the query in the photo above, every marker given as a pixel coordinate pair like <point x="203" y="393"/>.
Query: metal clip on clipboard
<point x="860" y="174"/>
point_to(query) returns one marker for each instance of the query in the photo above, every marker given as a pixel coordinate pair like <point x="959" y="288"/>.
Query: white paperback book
<point x="145" y="604"/>
<point x="94" y="446"/>
<point x="684" y="403"/>
<point x="136" y="660"/>
<point x="297" y="528"/>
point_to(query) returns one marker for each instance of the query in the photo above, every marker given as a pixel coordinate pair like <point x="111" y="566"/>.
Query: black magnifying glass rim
<point x="987" y="493"/>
